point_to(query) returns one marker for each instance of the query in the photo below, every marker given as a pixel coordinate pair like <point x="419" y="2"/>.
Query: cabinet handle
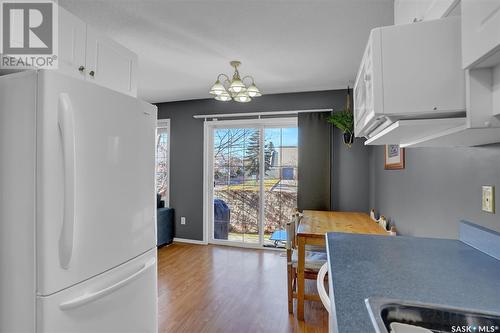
<point x="92" y="73"/>
<point x="81" y="68"/>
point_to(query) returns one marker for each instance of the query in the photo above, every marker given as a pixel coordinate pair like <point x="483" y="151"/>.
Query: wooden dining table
<point x="312" y="229"/>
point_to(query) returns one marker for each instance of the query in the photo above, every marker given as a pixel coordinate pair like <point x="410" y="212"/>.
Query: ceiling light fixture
<point x="226" y="89"/>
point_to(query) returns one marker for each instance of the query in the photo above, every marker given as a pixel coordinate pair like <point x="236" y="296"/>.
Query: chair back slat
<point x="290" y="234"/>
<point x="290" y="226"/>
<point x="291" y="231"/>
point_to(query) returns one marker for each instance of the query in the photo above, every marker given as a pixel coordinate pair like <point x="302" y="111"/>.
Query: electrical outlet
<point x="183" y="220"/>
<point x="489" y="199"/>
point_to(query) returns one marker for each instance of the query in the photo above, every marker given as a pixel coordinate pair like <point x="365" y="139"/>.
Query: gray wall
<point x="186" y="153"/>
<point x="438" y="187"/>
<point x="350" y="175"/>
<point x="315" y="161"/>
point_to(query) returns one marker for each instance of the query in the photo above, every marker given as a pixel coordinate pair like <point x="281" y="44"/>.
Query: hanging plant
<point x="344" y="120"/>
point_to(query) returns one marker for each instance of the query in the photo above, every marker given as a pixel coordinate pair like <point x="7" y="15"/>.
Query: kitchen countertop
<point x="428" y="270"/>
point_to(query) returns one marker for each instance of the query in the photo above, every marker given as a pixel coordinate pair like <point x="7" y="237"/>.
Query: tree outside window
<point x="162" y="160"/>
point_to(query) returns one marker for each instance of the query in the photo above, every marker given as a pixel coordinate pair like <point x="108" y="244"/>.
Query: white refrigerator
<point x="77" y="207"/>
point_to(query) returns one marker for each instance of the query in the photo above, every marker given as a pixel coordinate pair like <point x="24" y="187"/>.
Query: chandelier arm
<point x="248" y="77"/>
<point x="224" y="76"/>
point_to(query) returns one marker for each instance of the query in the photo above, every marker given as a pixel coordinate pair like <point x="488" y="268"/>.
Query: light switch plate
<point x="489" y="199"/>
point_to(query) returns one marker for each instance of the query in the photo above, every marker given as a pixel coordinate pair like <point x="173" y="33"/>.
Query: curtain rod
<point x="257" y="114"/>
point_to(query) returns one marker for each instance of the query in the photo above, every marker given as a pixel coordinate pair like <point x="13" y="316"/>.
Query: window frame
<point x="164" y="124"/>
<point x="208" y="179"/>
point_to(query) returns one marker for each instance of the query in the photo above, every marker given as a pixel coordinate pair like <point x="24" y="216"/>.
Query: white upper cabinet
<point x="407" y="72"/>
<point x="475" y="47"/>
<point x="480" y="33"/>
<point x="109" y="64"/>
<point x="88" y="54"/>
<point x="481" y="59"/>
<point x="408" y="11"/>
<point x="72" y="40"/>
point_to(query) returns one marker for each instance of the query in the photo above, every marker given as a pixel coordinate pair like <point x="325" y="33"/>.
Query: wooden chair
<point x="313" y="262"/>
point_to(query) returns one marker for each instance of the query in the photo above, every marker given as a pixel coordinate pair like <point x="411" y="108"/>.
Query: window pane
<point x="238" y="154"/>
<point x="236" y="187"/>
<point x="280" y="182"/>
<point x="162" y="144"/>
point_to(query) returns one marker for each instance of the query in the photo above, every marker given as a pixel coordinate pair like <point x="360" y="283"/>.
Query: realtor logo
<point x="29" y="34"/>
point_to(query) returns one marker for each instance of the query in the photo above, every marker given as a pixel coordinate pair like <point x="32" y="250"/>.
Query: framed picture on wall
<point x="394" y="157"/>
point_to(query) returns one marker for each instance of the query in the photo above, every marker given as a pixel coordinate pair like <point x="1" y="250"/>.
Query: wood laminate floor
<point x="226" y="289"/>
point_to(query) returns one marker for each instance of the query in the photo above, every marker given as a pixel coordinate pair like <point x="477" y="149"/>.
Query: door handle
<point x="90" y="297"/>
<point x="66" y="126"/>
<point x="320" y="284"/>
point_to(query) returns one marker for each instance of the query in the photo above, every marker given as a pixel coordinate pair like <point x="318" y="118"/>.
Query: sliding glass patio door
<point x="280" y="181"/>
<point x="251" y="180"/>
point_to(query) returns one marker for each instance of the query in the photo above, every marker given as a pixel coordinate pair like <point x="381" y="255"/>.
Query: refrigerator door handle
<point x="90" y="297"/>
<point x="66" y="126"/>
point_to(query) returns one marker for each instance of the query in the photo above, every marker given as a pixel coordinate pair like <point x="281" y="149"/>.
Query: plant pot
<point x="348" y="138"/>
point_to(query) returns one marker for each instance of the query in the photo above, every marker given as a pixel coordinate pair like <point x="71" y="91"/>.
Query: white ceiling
<point x="287" y="45"/>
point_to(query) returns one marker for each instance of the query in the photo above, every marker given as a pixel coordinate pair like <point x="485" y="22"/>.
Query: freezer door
<point x="95" y="180"/>
<point x="120" y="300"/>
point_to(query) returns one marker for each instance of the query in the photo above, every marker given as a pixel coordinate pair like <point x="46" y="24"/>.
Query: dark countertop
<point x="428" y="270"/>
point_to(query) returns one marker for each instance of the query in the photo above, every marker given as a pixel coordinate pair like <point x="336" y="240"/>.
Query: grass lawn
<point x="253" y="185"/>
<point x="251" y="238"/>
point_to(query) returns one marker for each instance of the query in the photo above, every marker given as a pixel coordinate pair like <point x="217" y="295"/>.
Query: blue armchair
<point x="165" y="218"/>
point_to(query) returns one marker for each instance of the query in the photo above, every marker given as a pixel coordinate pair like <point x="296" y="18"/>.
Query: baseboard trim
<point x="190" y="241"/>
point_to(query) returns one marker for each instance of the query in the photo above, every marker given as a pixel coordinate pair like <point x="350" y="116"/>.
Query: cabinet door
<point x="480" y="30"/>
<point x="362" y="95"/>
<point x="72" y="43"/>
<point x="359" y="100"/>
<point x="110" y="64"/>
<point x="422" y="71"/>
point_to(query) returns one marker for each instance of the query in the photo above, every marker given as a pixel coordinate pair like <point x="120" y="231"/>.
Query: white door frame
<point x="208" y="177"/>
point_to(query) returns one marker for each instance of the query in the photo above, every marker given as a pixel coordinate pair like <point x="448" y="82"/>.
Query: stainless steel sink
<point x="436" y="318"/>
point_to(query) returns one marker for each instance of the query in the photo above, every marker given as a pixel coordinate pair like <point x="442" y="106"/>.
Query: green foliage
<point x="343" y="120"/>
<point x="253" y="152"/>
<point x="269" y="153"/>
